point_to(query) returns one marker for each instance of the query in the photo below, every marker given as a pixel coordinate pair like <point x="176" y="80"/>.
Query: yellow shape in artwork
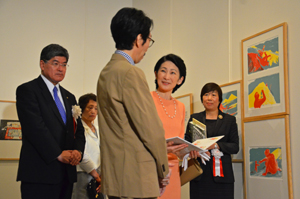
<point x="230" y="99"/>
<point x="270" y="100"/>
<point x="277" y="153"/>
<point x="273" y="58"/>
<point x="232" y="106"/>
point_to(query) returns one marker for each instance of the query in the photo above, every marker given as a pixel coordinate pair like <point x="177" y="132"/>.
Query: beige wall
<point x="206" y="34"/>
<point x="26" y="27"/>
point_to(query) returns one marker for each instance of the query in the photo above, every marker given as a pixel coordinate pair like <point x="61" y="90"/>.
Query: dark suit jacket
<point x="44" y="134"/>
<point x="229" y="144"/>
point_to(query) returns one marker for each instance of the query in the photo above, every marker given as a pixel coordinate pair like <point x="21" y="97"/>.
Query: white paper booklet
<point x="198" y="145"/>
<point x="205" y="143"/>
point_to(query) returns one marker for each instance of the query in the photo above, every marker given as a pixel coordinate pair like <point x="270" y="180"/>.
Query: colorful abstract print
<point x="229" y="103"/>
<point x="263" y="56"/>
<point x="264" y="91"/>
<point x="266" y="162"/>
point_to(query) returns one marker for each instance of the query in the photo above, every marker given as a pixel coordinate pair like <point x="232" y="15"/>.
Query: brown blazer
<point x="132" y="139"/>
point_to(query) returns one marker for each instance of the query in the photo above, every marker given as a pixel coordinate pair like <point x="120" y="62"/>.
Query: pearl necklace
<point x="165" y="108"/>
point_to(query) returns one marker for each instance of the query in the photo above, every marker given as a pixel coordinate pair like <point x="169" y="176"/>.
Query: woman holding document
<point x="170" y="73"/>
<point x="217" y="180"/>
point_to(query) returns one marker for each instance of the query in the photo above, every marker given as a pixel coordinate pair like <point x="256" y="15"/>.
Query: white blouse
<point x="91" y="156"/>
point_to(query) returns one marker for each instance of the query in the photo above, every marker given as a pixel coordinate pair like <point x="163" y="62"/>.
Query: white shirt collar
<point x="50" y="87"/>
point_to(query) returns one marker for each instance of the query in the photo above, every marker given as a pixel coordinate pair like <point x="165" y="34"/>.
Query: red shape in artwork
<point x="256" y="61"/>
<point x="257" y="101"/>
<point x="222" y="108"/>
<point x="270" y="163"/>
<point x="256" y="165"/>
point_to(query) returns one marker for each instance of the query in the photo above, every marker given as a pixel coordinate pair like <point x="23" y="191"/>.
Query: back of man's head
<point x="127" y="24"/>
<point x="53" y="50"/>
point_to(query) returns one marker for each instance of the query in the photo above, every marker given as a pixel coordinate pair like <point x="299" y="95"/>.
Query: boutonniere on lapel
<point x="76" y="113"/>
<point x="220" y="117"/>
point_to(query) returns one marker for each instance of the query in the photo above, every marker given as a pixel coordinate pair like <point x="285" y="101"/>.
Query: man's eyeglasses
<point x="57" y="64"/>
<point x="151" y="42"/>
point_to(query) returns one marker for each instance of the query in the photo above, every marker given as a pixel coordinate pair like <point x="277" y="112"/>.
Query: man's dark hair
<point x="85" y="99"/>
<point x="178" y="62"/>
<point x="127" y="24"/>
<point x="53" y="50"/>
<point x="212" y="87"/>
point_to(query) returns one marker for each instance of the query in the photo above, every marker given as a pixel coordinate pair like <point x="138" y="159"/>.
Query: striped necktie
<point x="59" y="105"/>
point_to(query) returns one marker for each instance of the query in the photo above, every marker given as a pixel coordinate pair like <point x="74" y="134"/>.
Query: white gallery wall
<point x="81" y="26"/>
<point x="206" y="34"/>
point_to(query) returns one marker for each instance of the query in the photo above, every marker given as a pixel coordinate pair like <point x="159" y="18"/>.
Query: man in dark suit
<point x="52" y="138"/>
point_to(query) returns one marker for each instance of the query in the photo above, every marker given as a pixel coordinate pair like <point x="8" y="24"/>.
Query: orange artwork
<point x="259" y="101"/>
<point x="270" y="163"/>
<point x="263" y="56"/>
<point x="266" y="162"/>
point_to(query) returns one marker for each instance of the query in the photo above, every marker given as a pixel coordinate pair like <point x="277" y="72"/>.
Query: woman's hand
<point x="175" y="148"/>
<point x="213" y="146"/>
<point x="195" y="154"/>
<point x="97" y="178"/>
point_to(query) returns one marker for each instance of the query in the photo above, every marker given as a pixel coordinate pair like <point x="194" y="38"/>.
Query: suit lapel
<point x="49" y="99"/>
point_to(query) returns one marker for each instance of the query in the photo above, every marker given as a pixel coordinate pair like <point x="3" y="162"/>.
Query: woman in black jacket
<point x="217" y="180"/>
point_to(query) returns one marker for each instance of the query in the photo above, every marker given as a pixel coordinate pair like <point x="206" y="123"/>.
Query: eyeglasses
<point x="151" y="42"/>
<point x="56" y="64"/>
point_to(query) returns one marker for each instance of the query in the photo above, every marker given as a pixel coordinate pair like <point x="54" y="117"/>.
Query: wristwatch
<point x="216" y="146"/>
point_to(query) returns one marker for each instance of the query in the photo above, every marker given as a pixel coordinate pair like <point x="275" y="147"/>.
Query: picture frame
<point x="232" y="105"/>
<point x="187" y="100"/>
<point x="268" y="139"/>
<point x="9" y="149"/>
<point x="10" y="130"/>
<point x="264" y="73"/>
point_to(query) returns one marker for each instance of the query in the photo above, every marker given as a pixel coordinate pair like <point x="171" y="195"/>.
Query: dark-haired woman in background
<point x="90" y="165"/>
<point x="216" y="182"/>
<point x="170" y="73"/>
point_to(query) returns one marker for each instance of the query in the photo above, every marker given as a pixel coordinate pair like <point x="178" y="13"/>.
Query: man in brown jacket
<point x="133" y="148"/>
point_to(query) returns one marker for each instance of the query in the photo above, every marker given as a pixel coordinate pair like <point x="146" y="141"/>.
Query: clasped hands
<point x="71" y="157"/>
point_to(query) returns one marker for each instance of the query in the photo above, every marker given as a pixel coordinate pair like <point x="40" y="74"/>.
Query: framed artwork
<point x="267" y="167"/>
<point x="231" y="105"/>
<point x="265" y="161"/>
<point x="10" y="128"/>
<point x="265" y="85"/>
<point x="187" y="100"/>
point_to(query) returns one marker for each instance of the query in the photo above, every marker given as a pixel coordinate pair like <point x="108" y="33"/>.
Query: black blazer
<point x="44" y="134"/>
<point x="229" y="144"/>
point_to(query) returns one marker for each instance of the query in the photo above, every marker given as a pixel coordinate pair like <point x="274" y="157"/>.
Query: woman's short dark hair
<point x="212" y="87"/>
<point x="127" y="24"/>
<point x="53" y="50"/>
<point x="175" y="60"/>
<point x="85" y="99"/>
